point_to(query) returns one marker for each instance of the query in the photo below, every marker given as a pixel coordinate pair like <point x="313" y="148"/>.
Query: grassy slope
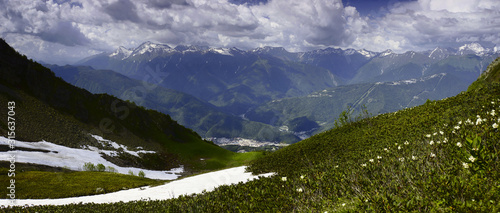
<point x="32" y="184"/>
<point x="442" y="156"/>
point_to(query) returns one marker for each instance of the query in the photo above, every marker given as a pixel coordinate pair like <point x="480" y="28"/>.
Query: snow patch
<point x="117" y="146"/>
<point x="187" y="186"/>
<point x="74" y="159"/>
<point x="222" y="51"/>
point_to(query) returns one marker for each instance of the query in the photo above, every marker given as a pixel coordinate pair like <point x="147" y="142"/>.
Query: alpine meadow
<point x="250" y="106"/>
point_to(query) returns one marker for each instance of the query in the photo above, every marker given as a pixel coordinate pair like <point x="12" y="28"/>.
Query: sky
<point x="64" y="31"/>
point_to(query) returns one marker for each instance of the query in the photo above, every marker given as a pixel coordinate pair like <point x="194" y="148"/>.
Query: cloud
<point x="297" y="25"/>
<point x="123" y="10"/>
<point x="164" y="4"/>
<point x="425" y="24"/>
<point x="64" y="33"/>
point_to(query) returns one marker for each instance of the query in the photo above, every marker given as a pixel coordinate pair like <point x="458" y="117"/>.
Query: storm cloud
<point x="75" y="29"/>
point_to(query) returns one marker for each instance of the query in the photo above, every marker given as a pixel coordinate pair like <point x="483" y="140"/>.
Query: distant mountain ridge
<point x="244" y="83"/>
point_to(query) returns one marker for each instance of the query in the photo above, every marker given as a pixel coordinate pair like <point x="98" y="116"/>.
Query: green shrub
<point x="100" y="167"/>
<point x="89" y="167"/>
<point x="141" y="174"/>
<point x="111" y="169"/>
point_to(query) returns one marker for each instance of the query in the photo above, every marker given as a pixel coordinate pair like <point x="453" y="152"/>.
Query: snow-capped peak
<point x="121" y="53"/>
<point x="474" y="48"/>
<point x="222" y="51"/>
<point x="366" y="53"/>
<point x="149" y="47"/>
<point x="386" y="53"/>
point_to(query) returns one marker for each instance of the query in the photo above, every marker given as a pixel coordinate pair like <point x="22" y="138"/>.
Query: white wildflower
<point x="428" y="135"/>
<point x="283" y="178"/>
<point x="379" y="157"/>
<point x="495" y="125"/>
<point x="371" y="160"/>
<point x="302" y="177"/>
<point x="445" y="140"/>
<point x="441" y="132"/>
<point x="459" y="144"/>
<point x="457" y="127"/>
<point x="492" y="113"/>
<point x="363" y="165"/>
<point x="343" y="204"/>
<point x="402" y="159"/>
<point x="299" y="190"/>
<point x="479" y="121"/>
<point x="465" y="165"/>
<point x="413" y="157"/>
<point x="406" y="142"/>
<point x="460" y="123"/>
<point x="431" y="142"/>
<point x="435" y="133"/>
<point x="468" y="121"/>
<point x="472" y="159"/>
<point x="432" y="155"/>
<point x="399" y="147"/>
<point x="385" y="149"/>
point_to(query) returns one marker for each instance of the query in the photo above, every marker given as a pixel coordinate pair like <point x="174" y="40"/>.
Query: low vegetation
<point x="442" y="156"/>
<point x="32" y="184"/>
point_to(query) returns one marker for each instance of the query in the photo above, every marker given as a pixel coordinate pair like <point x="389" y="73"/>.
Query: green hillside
<point x="47" y="108"/>
<point x="442" y="156"/>
<point x="489" y="76"/>
<point x="324" y="107"/>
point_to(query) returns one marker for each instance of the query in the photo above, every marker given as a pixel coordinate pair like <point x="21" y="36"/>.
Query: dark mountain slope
<point x="234" y="80"/>
<point x="324" y="107"/>
<point x="189" y="111"/>
<point x="47" y="108"/>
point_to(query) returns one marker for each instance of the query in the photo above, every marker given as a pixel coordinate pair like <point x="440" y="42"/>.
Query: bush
<point x="100" y="167"/>
<point x="111" y="169"/>
<point x="141" y="174"/>
<point x="90" y="167"/>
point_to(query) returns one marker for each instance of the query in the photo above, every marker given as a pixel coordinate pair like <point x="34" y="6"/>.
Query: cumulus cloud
<point x="80" y="27"/>
<point x="123" y="10"/>
<point x="64" y="33"/>
<point x="426" y="24"/>
<point x="163" y="4"/>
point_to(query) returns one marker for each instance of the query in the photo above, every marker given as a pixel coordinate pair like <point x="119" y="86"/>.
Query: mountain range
<point x="247" y="85"/>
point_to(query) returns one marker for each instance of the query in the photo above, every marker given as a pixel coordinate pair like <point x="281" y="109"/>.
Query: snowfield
<point x="186" y="186"/>
<point x="61" y="156"/>
<point x="74" y="159"/>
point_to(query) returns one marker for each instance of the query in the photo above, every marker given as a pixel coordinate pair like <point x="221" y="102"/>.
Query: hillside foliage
<point x="443" y="156"/>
